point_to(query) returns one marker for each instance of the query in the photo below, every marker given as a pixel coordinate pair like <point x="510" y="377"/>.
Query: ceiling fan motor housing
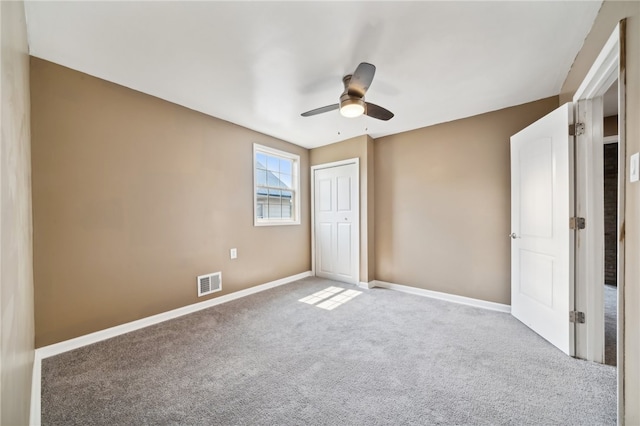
<point x="351" y="105"/>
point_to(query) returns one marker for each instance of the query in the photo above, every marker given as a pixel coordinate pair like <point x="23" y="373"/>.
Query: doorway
<point x="610" y="202"/>
<point x="606" y="76"/>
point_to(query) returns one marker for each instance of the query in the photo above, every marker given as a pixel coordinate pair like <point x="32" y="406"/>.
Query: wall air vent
<point x="209" y="283"/>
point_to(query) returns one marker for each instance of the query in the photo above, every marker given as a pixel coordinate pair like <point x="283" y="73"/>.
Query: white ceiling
<point x="260" y="64"/>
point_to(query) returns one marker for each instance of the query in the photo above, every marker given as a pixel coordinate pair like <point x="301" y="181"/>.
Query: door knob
<point x="513" y="235"/>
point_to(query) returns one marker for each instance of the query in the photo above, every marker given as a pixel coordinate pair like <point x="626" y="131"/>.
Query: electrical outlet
<point x="233" y="253"/>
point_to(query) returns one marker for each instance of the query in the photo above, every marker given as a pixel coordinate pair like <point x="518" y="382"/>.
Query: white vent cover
<point x="209" y="283"/>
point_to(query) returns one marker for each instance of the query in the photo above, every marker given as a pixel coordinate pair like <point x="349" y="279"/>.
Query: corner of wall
<point x="371" y="225"/>
<point x="16" y="253"/>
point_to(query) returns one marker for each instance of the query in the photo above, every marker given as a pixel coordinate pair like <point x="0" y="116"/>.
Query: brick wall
<point x="610" y="212"/>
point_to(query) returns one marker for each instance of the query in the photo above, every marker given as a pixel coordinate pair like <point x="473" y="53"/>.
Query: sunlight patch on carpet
<point x="330" y="298"/>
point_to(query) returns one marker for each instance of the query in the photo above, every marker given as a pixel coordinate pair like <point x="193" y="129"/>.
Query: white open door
<point x="337" y="222"/>
<point x="542" y="287"/>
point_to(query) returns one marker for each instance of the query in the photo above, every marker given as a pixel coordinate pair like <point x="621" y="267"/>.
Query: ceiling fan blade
<point x="361" y="79"/>
<point x="320" y="110"/>
<point x="378" y="112"/>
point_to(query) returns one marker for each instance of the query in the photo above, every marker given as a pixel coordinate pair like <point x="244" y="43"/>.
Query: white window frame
<point x="295" y="183"/>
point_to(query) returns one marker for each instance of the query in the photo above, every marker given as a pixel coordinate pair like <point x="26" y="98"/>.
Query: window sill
<point x="276" y="223"/>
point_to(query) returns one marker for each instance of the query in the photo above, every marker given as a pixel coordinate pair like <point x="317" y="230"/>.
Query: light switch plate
<point x="634" y="168"/>
<point x="233" y="253"/>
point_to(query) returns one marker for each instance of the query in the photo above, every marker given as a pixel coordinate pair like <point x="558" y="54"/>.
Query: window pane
<point x="261" y="177"/>
<point x="285" y="180"/>
<point x="273" y="180"/>
<point x="275" y="207"/>
<point x="262" y="203"/>
<point x="273" y="164"/>
<point x="287" y="204"/>
<point x="275" y="211"/>
<point x="261" y="160"/>
<point x="286" y="166"/>
<point x="286" y="211"/>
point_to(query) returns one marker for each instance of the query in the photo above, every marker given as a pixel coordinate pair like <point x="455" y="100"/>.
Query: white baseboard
<point x="98" y="336"/>
<point x="88" y="339"/>
<point x="368" y="285"/>
<point x="445" y="296"/>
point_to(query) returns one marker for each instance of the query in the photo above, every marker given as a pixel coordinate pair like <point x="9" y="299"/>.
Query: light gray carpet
<point x="383" y="358"/>
<point x="610" y="324"/>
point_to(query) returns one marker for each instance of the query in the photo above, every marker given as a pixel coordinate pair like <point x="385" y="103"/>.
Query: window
<point x="276" y="182"/>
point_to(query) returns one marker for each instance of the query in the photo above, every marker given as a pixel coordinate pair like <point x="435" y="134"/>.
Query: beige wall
<point x="16" y="283"/>
<point x="359" y="147"/>
<point x="442" y="204"/>
<point x="610" y="14"/>
<point x="134" y="197"/>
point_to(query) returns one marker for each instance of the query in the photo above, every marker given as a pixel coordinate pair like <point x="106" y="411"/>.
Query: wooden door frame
<point x="347" y="162"/>
<point x="608" y="66"/>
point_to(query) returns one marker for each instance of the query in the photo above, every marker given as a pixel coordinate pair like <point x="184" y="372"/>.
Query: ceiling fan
<point x="352" y="103"/>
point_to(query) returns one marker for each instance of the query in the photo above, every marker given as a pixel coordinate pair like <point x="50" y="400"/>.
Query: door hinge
<point x="576" y="129"/>
<point x="577" y="223"/>
<point x="577" y="317"/>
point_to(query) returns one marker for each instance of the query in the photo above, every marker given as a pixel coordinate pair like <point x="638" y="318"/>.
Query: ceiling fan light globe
<point x="352" y="108"/>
